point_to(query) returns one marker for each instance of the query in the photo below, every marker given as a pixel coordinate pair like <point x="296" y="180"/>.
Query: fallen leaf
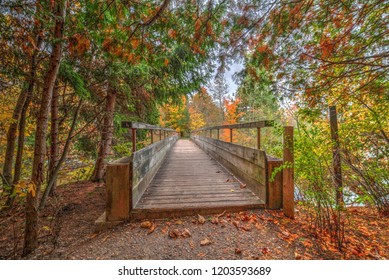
<point x="297" y="256"/>
<point x="178" y="222"/>
<point x="201" y="219"/>
<point x="238" y="251"/>
<point x="164" y="230"/>
<point x="236" y="224"/>
<point x="201" y="255"/>
<point x="146" y="224"/>
<point x="231" y="190"/>
<point x="265" y="251"/>
<point x="218" y="171"/>
<point x="243" y="186"/>
<point x="246" y="228"/>
<point x="287" y="234"/>
<point x="205" y="242"/>
<point x="191" y="245"/>
<point x="174" y="233"/>
<point x="215" y="220"/>
<point x="152" y="229"/>
<point x="186" y="233"/>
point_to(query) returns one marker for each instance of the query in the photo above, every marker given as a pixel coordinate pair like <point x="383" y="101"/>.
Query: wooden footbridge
<point x="175" y="177"/>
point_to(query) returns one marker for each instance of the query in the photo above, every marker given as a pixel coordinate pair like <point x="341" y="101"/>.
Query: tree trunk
<point x="336" y="156"/>
<point x="11" y="136"/>
<point x="106" y="136"/>
<point x="57" y="167"/>
<point x="31" y="228"/>
<point x="26" y="97"/>
<point x="53" y="139"/>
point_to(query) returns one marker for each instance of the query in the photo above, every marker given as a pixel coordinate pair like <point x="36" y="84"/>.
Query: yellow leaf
<point x="32" y="188"/>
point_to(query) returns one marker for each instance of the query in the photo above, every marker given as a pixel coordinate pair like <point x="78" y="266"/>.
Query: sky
<point x="232" y="86"/>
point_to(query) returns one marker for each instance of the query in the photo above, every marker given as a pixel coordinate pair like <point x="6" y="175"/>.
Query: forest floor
<point x="67" y="232"/>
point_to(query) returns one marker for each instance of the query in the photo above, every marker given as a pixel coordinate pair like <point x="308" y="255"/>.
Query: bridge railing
<point x="253" y="166"/>
<point x="258" y="125"/>
<point x="128" y="177"/>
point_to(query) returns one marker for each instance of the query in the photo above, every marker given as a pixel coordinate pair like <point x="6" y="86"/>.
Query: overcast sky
<point x="232" y="86"/>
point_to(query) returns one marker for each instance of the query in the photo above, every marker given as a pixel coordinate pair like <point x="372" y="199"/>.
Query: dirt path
<point x="260" y="234"/>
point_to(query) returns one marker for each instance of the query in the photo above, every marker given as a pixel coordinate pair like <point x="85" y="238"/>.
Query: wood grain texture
<point x="117" y="205"/>
<point x="146" y="163"/>
<point x="274" y="191"/>
<point x="191" y="182"/>
<point x="247" y="164"/>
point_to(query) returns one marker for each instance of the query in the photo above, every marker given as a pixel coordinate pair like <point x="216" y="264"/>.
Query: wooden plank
<point x="147" y="213"/>
<point x="139" y="125"/>
<point x="118" y="198"/>
<point x="274" y="192"/>
<point x="146" y="163"/>
<point x="179" y="201"/>
<point x="162" y="196"/>
<point x="264" y="123"/>
<point x="183" y="184"/>
<point x="254" y="156"/>
<point x="246" y="163"/>
<point x="199" y="204"/>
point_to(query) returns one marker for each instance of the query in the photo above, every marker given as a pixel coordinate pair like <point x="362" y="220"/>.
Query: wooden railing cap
<point x="139" y="125"/>
<point x="258" y="124"/>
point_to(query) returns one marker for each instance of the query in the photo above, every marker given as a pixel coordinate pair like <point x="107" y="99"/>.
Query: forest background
<point x="72" y="71"/>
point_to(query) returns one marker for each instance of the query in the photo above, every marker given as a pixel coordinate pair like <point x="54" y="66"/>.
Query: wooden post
<point x="258" y="138"/>
<point x="210" y="133"/>
<point x="118" y="199"/>
<point x="288" y="173"/>
<point x="133" y="130"/>
<point x="231" y="135"/>
<point x="336" y="156"/>
<point x="151" y="136"/>
<point x="218" y="134"/>
<point x="164" y="134"/>
<point x="274" y="188"/>
<point x="160" y="135"/>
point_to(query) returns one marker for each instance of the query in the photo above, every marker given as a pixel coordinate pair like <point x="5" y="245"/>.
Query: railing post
<point x="231" y="135"/>
<point x="133" y="130"/>
<point x="160" y="135"/>
<point x="258" y="138"/>
<point x="151" y="136"/>
<point x="218" y="134"/>
<point x="119" y="192"/>
<point x="210" y="133"/>
<point x="288" y="173"/>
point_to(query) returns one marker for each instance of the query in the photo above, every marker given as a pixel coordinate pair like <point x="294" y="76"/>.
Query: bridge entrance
<point x="203" y="175"/>
<point x="190" y="182"/>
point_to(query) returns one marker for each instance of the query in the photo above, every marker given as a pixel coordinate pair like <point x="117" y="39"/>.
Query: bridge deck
<point x="191" y="182"/>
